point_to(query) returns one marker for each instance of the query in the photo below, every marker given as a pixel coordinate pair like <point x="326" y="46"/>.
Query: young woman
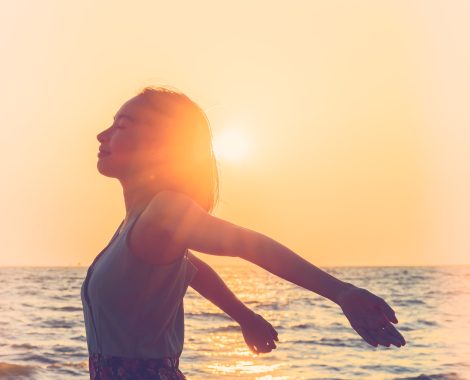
<point x="159" y="148"/>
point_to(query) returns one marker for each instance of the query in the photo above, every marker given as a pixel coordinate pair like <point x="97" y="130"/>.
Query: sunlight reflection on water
<point x="43" y="336"/>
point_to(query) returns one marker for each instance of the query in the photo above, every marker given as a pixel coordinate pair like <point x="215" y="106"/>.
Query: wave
<point x="80" y="338"/>
<point x="58" y="324"/>
<point x="220" y="329"/>
<point x="16" y="371"/>
<point x="205" y="316"/>
<point x="40" y="358"/>
<point x="228" y="328"/>
<point x="44" y="335"/>
<point x="324" y="342"/>
<point x="302" y="326"/>
<point x="24" y="345"/>
<point x="61" y="308"/>
<point x="440" y="376"/>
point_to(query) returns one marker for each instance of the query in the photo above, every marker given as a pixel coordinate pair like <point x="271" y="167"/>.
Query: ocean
<point x="42" y="333"/>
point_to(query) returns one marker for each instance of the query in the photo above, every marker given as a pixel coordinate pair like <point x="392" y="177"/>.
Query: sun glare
<point x="231" y="144"/>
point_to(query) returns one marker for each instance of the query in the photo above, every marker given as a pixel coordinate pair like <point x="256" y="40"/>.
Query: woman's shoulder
<point x="153" y="236"/>
<point x="173" y="211"/>
<point x="171" y="202"/>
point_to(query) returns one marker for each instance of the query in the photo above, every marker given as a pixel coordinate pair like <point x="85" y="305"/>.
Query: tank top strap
<point x="132" y="220"/>
<point x="130" y="224"/>
<point x="116" y="233"/>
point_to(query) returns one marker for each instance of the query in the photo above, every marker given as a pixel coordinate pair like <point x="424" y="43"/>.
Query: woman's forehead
<point x="136" y="110"/>
<point x="146" y="119"/>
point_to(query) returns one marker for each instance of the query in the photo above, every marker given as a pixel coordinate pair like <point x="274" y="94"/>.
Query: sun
<point x="231" y="144"/>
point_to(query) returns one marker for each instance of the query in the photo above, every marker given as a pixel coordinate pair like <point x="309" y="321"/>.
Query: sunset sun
<point x="231" y="144"/>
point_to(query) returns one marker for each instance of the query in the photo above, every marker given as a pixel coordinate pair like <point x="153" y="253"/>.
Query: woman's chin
<point x="104" y="170"/>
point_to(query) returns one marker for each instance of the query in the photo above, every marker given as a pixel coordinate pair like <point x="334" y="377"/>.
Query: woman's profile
<point x="159" y="147"/>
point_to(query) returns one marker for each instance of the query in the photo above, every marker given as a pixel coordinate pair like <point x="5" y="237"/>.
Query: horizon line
<point x="248" y="263"/>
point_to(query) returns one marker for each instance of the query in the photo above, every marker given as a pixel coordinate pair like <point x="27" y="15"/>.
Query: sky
<point x="352" y="121"/>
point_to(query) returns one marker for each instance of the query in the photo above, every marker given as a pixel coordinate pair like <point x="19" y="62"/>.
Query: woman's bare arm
<point x="258" y="333"/>
<point x="189" y="225"/>
<point x="209" y="285"/>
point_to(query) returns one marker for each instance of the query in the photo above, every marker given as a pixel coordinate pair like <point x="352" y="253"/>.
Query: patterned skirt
<point x="103" y="367"/>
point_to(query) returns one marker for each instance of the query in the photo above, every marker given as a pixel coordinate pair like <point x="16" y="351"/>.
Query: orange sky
<point x="356" y="112"/>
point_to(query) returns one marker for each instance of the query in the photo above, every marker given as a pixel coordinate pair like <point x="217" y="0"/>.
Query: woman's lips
<point x="103" y="154"/>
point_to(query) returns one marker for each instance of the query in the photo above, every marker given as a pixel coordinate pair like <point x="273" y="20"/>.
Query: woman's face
<point x="134" y="144"/>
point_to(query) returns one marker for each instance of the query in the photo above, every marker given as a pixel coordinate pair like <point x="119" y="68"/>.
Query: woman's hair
<point x="190" y="139"/>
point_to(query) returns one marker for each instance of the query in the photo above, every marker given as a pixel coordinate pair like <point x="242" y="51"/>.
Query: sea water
<point x="42" y="332"/>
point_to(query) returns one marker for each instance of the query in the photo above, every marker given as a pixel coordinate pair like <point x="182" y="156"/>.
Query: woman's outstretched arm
<point x="187" y="224"/>
<point x="258" y="333"/>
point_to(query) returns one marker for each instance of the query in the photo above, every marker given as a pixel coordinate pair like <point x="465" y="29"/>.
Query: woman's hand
<point x="370" y="316"/>
<point x="259" y="334"/>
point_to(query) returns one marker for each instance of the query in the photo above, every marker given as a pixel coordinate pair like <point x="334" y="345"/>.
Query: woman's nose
<point x="101" y="136"/>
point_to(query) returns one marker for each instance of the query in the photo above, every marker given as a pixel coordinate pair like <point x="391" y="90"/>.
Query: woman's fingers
<point x="385" y="337"/>
<point x="381" y="337"/>
<point x="270" y="345"/>
<point x="388" y="335"/>
<point x="388" y="311"/>
<point x="393" y="332"/>
<point x="274" y="334"/>
<point x="264" y="347"/>
<point x="391" y="337"/>
<point x="366" y="336"/>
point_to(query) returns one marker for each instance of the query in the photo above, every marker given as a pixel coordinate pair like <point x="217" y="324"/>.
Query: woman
<point x="159" y="148"/>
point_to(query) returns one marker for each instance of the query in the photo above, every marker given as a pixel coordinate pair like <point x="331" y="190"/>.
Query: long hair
<point x="190" y="141"/>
